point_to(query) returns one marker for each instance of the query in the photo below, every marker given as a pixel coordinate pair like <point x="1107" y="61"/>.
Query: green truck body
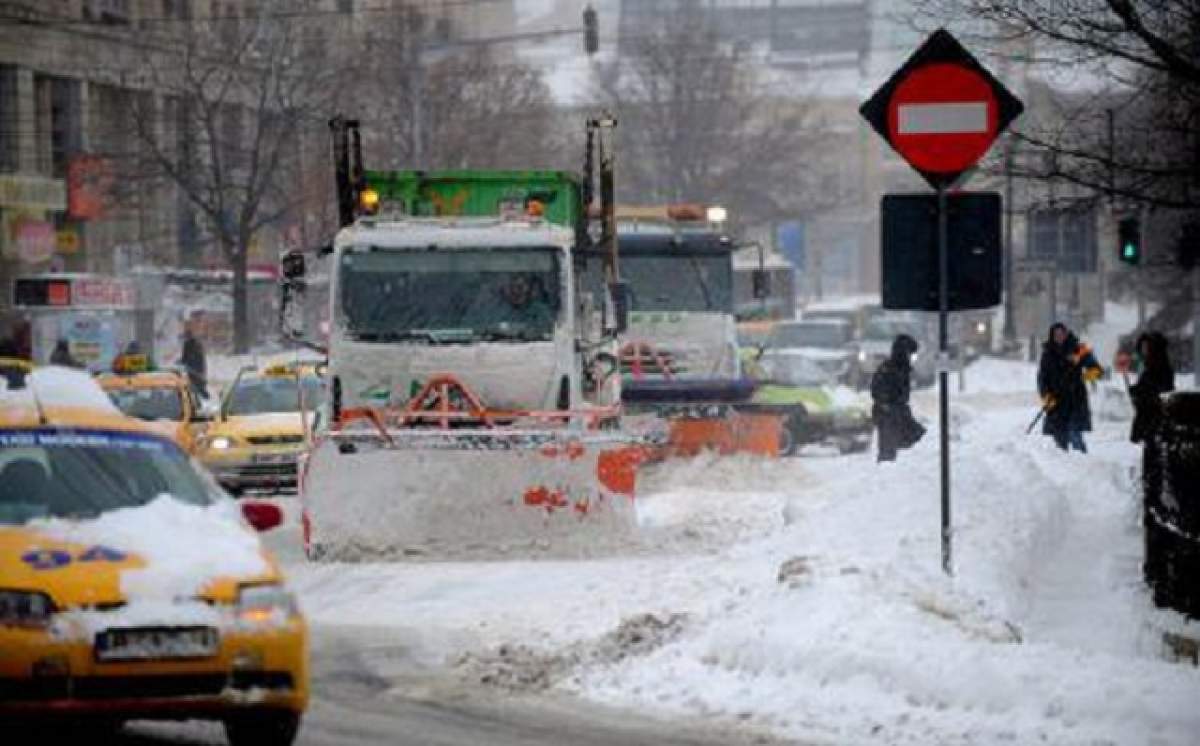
<point x="480" y="193"/>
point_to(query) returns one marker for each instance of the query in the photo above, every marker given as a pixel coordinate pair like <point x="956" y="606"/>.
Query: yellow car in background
<point x="162" y="398"/>
<point x="131" y="586"/>
<point x="256" y="439"/>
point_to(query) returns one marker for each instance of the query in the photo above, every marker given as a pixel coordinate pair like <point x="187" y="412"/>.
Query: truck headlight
<point x="25" y="609"/>
<point x="862" y="356"/>
<point x="980" y="327"/>
<point x="266" y="602"/>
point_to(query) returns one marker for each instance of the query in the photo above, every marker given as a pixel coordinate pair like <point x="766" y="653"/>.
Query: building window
<point x="345" y="6"/>
<point x="177" y="9"/>
<point x="9" y="120"/>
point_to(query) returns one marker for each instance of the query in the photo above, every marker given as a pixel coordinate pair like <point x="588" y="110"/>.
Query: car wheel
<point x="787" y="441"/>
<point x="263" y="728"/>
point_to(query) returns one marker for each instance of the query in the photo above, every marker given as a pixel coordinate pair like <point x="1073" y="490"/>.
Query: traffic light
<point x="591" y="31"/>
<point x="1129" y="241"/>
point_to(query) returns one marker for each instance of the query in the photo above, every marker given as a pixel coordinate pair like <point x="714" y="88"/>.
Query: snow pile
<point x="184" y="547"/>
<point x="66" y="387"/>
<point x="812" y="601"/>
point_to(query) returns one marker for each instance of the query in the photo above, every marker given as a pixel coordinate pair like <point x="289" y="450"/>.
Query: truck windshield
<point x="695" y="283"/>
<point x="453" y="295"/>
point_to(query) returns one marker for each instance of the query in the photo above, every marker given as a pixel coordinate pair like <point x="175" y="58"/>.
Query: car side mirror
<point x="262" y="516"/>
<point x="619" y="301"/>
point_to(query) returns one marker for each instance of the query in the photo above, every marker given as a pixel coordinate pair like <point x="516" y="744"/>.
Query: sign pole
<point x="944" y="372"/>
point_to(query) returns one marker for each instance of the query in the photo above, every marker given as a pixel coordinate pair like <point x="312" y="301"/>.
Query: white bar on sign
<point x="943" y="119"/>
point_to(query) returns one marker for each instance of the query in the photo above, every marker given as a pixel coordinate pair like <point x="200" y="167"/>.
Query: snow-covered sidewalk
<point x="814" y="605"/>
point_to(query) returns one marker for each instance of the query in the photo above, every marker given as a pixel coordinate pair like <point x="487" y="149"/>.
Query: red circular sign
<point x="942" y="118"/>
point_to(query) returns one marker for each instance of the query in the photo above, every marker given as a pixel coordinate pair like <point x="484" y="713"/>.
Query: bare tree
<point x="1120" y="114"/>
<point x="431" y="101"/>
<point x="241" y="100"/>
<point x="700" y="123"/>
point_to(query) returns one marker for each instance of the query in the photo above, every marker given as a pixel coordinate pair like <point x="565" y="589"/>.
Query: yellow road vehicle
<point x="163" y="398"/>
<point x="131" y="586"/>
<point x="258" y="435"/>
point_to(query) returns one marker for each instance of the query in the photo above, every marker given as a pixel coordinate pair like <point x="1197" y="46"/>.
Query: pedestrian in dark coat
<point x="890" y="387"/>
<point x="193" y="360"/>
<point x="61" y="355"/>
<point x="1157" y="378"/>
<point x="1066" y="366"/>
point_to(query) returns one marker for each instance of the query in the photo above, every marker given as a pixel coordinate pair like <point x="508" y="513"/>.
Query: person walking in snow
<point x="61" y="355"/>
<point x="890" y="387"/>
<point x="193" y="360"/>
<point x="1067" y="365"/>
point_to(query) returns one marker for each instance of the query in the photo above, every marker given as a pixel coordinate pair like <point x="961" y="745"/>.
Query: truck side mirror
<point x="762" y="284"/>
<point x="617" y="311"/>
<point x="292" y="265"/>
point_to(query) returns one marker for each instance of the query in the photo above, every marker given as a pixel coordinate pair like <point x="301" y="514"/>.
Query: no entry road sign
<point x="941" y="110"/>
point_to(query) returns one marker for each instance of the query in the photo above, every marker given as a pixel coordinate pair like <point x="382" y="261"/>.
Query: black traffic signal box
<point x="1129" y="241"/>
<point x="909" y="251"/>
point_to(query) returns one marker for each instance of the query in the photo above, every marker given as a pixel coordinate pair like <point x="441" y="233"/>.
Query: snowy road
<point x="800" y="598"/>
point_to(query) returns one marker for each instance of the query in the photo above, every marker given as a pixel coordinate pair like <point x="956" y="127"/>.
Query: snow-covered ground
<point x="813" y="603"/>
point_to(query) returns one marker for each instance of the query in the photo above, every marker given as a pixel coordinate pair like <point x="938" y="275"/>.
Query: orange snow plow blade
<point x="736" y="433"/>
<point x="374" y="490"/>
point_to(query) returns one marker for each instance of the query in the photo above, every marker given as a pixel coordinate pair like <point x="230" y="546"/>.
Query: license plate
<point x="272" y="458"/>
<point x="156" y="643"/>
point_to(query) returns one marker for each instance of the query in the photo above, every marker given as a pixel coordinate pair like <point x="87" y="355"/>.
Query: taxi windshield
<point x="56" y="473"/>
<point x="149" y="403"/>
<point x="272" y="394"/>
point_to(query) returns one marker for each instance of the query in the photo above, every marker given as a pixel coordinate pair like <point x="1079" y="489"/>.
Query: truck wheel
<point x="263" y="728"/>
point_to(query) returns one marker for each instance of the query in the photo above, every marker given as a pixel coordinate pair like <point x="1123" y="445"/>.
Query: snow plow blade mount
<point x="397" y="493"/>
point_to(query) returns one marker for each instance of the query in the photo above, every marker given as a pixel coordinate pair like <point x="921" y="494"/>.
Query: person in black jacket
<point x="1157" y="377"/>
<point x="194" y="362"/>
<point x="1066" y="365"/>
<point x="890" y="387"/>
<point x="61" y="355"/>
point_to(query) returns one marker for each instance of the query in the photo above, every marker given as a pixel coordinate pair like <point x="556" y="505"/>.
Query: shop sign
<point x="33" y="192"/>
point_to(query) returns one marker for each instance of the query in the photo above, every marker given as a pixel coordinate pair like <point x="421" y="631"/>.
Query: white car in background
<point x="828" y="344"/>
<point x="876" y="346"/>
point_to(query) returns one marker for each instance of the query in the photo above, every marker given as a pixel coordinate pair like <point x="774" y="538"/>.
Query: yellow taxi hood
<point x="164" y="551"/>
<point x="250" y="425"/>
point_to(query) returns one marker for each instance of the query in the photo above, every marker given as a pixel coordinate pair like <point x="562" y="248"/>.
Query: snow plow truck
<point x="473" y="404"/>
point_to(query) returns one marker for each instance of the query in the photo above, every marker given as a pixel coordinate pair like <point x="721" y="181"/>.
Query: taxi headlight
<point x="25" y="609"/>
<point x="267" y="602"/>
<point x="219" y="443"/>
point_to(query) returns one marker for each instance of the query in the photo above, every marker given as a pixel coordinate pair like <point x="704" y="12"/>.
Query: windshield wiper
<point x="502" y="334"/>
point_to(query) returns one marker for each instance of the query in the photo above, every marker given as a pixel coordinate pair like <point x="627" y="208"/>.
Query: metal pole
<point x="943" y="373"/>
<point x="1196" y="322"/>
<point x="1010" y="327"/>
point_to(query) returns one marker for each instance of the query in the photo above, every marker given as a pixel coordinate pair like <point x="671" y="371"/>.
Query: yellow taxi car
<point x="163" y="398"/>
<point x="256" y="439"/>
<point x="131" y="586"/>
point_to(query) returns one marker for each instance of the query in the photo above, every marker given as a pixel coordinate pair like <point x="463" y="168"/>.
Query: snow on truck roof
<point x="450" y="233"/>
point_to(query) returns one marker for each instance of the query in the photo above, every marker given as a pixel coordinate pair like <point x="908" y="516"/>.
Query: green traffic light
<point x="1130" y="251"/>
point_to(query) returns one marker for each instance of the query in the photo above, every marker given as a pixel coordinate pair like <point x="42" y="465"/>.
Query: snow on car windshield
<point x="272" y="395"/>
<point x="149" y="404"/>
<point x="453" y="295"/>
<point x="81" y="474"/>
